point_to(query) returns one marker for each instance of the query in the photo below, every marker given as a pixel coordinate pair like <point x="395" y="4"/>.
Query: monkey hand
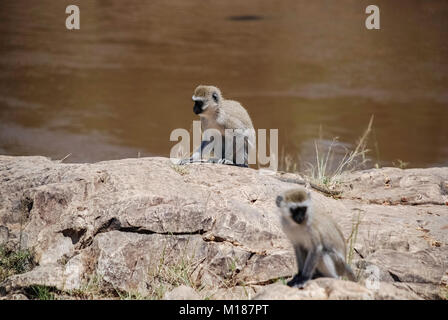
<point x="297" y="282"/>
<point x="184" y="162"/>
<point x="225" y="161"/>
<point x="293" y="281"/>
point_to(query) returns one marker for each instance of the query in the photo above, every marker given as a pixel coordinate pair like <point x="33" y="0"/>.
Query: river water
<point x="117" y="87"/>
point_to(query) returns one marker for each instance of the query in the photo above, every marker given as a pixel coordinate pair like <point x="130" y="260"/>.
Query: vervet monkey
<point x="224" y="119"/>
<point x="318" y="242"/>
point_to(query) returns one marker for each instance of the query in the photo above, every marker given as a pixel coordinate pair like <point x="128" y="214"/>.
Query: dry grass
<point x="326" y="171"/>
<point x="14" y="262"/>
<point x="163" y="277"/>
<point x="65" y="158"/>
<point x="38" y="292"/>
<point x="182" y="170"/>
<point x="322" y="172"/>
<point x="95" y="288"/>
<point x="400" y="164"/>
<point x="356" y="221"/>
<point x="167" y="275"/>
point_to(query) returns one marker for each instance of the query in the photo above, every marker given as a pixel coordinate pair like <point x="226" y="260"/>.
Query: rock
<point x="139" y="223"/>
<point x="422" y="271"/>
<point x="395" y="291"/>
<point x="182" y="293"/>
<point x="397" y="186"/>
<point x="443" y="289"/>
<point x="48" y="275"/>
<point x="424" y="266"/>
<point x="344" y="290"/>
<point x="334" y="289"/>
<point x="4" y="235"/>
<point x="278" y="291"/>
<point x="15" y="296"/>
<point x="233" y="293"/>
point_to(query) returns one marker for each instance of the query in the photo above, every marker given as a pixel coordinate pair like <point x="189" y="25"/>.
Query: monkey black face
<point x="197" y="109"/>
<point x="298" y="213"/>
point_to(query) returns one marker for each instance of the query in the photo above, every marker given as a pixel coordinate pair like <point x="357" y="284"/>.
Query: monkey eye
<point x="215" y="96"/>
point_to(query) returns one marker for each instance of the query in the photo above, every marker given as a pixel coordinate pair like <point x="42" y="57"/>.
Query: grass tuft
<point x="321" y="173"/>
<point x="94" y="288"/>
<point x="182" y="170"/>
<point x="14" y="262"/>
<point x="39" y="292"/>
<point x="356" y="221"/>
<point x="400" y="164"/>
<point x="167" y="275"/>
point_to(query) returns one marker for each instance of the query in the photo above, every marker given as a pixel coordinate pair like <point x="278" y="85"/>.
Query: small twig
<point x="65" y="157"/>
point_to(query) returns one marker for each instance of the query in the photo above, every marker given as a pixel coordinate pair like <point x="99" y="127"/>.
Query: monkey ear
<point x="215" y="96"/>
<point x="278" y="201"/>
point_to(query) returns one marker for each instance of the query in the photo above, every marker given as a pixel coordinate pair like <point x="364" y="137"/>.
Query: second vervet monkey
<point x="232" y="133"/>
<point x="318" y="242"/>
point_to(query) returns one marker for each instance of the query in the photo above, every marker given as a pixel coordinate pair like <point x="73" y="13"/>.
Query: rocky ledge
<point x="144" y="228"/>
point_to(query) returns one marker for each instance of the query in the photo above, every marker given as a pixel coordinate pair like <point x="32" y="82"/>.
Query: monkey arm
<point x="311" y="262"/>
<point x="294" y="281"/>
<point x="312" y="259"/>
<point x="234" y="147"/>
<point x="202" y="148"/>
<point x="300" y="259"/>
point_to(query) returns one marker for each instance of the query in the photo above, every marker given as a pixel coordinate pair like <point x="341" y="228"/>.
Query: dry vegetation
<point x="327" y="169"/>
<point x="14" y="261"/>
<point x="323" y="172"/>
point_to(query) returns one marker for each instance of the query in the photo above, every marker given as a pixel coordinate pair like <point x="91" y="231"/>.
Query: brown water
<point x="120" y="85"/>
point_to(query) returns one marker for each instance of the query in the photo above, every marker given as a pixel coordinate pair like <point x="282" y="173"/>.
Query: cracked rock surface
<point x="122" y="220"/>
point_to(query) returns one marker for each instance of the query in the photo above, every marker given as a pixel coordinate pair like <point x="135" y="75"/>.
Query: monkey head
<point x="206" y="100"/>
<point x="295" y="204"/>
